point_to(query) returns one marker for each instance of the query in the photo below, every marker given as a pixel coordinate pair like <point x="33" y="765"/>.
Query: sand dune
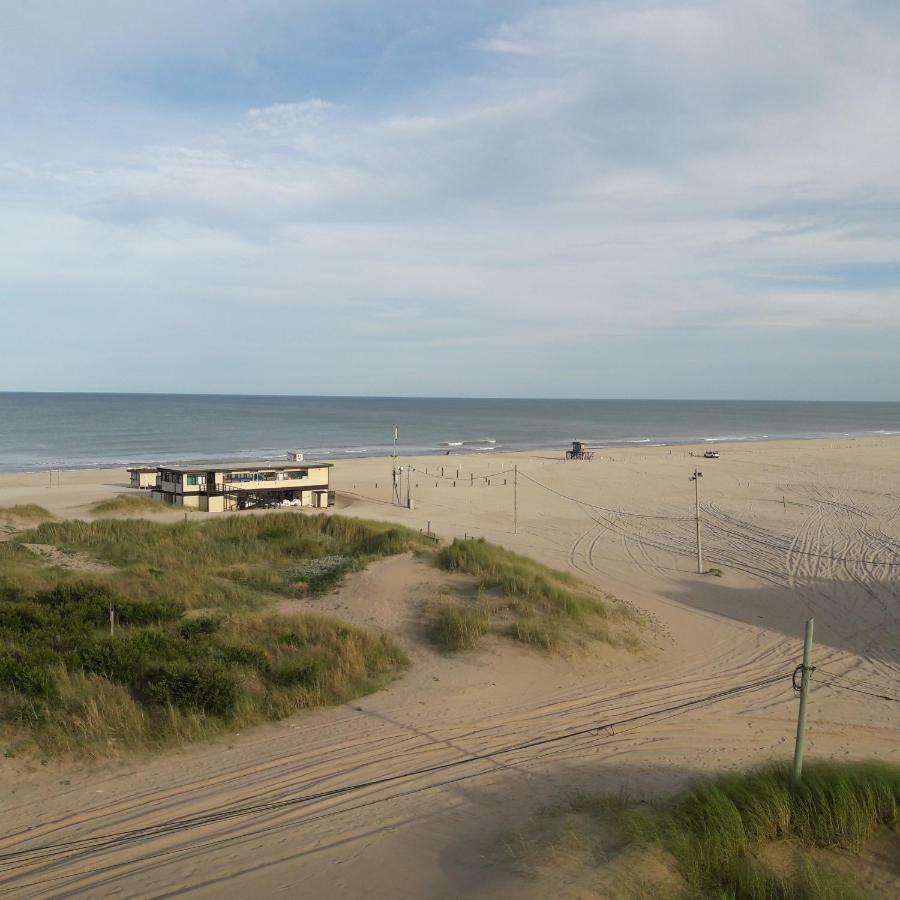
<point x="799" y="529"/>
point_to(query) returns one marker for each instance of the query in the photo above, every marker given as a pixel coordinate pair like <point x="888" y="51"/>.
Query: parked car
<point x="711" y="454"/>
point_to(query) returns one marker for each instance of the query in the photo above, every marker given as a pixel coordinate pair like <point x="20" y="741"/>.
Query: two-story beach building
<point x="221" y="487"/>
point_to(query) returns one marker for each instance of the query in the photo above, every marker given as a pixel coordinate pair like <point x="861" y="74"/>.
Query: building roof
<point x="237" y="465"/>
<point x="141" y="469"/>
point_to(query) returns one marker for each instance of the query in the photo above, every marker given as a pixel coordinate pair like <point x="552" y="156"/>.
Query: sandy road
<point x="828" y="549"/>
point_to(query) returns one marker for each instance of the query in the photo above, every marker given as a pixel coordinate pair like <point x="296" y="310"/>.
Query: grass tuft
<point x="722" y="834"/>
<point x="25" y="512"/>
<point x="549" y="608"/>
<point x="459" y="627"/>
<point x="127" y="505"/>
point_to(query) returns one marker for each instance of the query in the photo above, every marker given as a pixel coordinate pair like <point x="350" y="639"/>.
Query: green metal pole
<point x="800" y="746"/>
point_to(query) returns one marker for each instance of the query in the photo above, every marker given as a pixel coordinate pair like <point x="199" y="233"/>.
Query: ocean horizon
<point x="93" y="430"/>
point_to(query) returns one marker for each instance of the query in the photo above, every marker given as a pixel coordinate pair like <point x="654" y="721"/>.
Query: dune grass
<point x="231" y="561"/>
<point x="24" y="512"/>
<point x="538" y="605"/>
<point x="162" y="675"/>
<point x="746" y="835"/>
<point x="193" y="650"/>
<point x="127" y="505"/>
<point x="454" y="627"/>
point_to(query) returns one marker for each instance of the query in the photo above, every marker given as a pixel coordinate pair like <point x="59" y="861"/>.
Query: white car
<point x="711" y="454"/>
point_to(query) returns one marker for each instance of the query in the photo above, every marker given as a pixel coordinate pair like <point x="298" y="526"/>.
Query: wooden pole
<point x="515" y="499"/>
<point x="112" y="622"/>
<point x="800" y="745"/>
<point x="696" y="479"/>
<point x="699" y="542"/>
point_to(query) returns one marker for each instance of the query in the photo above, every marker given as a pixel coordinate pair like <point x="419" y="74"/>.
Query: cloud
<point x="613" y="173"/>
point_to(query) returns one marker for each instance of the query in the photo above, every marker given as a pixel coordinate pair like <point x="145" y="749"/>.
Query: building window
<point x="196" y="479"/>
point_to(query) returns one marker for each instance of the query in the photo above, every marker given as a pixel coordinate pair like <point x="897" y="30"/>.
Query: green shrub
<point x="199" y="627"/>
<point x="163" y="678"/>
<point x="210" y="689"/>
<point x="22" y="618"/>
<point x="27" y="674"/>
<point x="291" y="673"/>
<point x="251" y="657"/>
<point x="125" y="657"/>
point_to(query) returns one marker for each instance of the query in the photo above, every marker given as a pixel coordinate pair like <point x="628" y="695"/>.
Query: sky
<point x="415" y="198"/>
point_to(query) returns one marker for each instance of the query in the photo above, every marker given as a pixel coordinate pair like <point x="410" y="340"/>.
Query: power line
<point x="105" y="841"/>
<point x="617" y="512"/>
<point x="833" y="681"/>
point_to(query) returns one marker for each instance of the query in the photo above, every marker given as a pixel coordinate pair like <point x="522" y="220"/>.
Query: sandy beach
<point x="799" y="529"/>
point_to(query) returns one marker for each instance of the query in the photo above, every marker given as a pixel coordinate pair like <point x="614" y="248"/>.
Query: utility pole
<point x="515" y="499"/>
<point x="397" y="485"/>
<point x="408" y="475"/>
<point x="696" y="479"/>
<point x="806" y="671"/>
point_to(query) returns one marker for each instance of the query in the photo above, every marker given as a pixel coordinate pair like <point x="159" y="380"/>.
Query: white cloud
<point x="611" y="171"/>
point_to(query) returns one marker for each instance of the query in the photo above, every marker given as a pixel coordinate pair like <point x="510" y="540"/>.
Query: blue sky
<point x="603" y="199"/>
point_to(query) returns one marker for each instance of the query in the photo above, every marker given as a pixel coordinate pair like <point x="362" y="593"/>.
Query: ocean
<point x="38" y="431"/>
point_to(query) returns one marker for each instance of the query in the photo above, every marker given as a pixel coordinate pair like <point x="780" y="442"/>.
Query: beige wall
<point x="213" y="504"/>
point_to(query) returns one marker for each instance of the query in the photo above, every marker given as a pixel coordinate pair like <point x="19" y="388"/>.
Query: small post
<point x="515" y="499"/>
<point x="806" y="670"/>
<point x="784" y="502"/>
<point x="429" y="528"/>
<point x="112" y="621"/>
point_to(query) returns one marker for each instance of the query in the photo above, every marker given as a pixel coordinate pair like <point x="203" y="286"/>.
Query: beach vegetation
<point x="744" y="835"/>
<point x="170" y="674"/>
<point x="228" y="562"/>
<point x="193" y="650"/>
<point x="459" y="626"/>
<point x="716" y="573"/>
<point x="128" y="505"/>
<point x="24" y="512"/>
<point x="533" y="603"/>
